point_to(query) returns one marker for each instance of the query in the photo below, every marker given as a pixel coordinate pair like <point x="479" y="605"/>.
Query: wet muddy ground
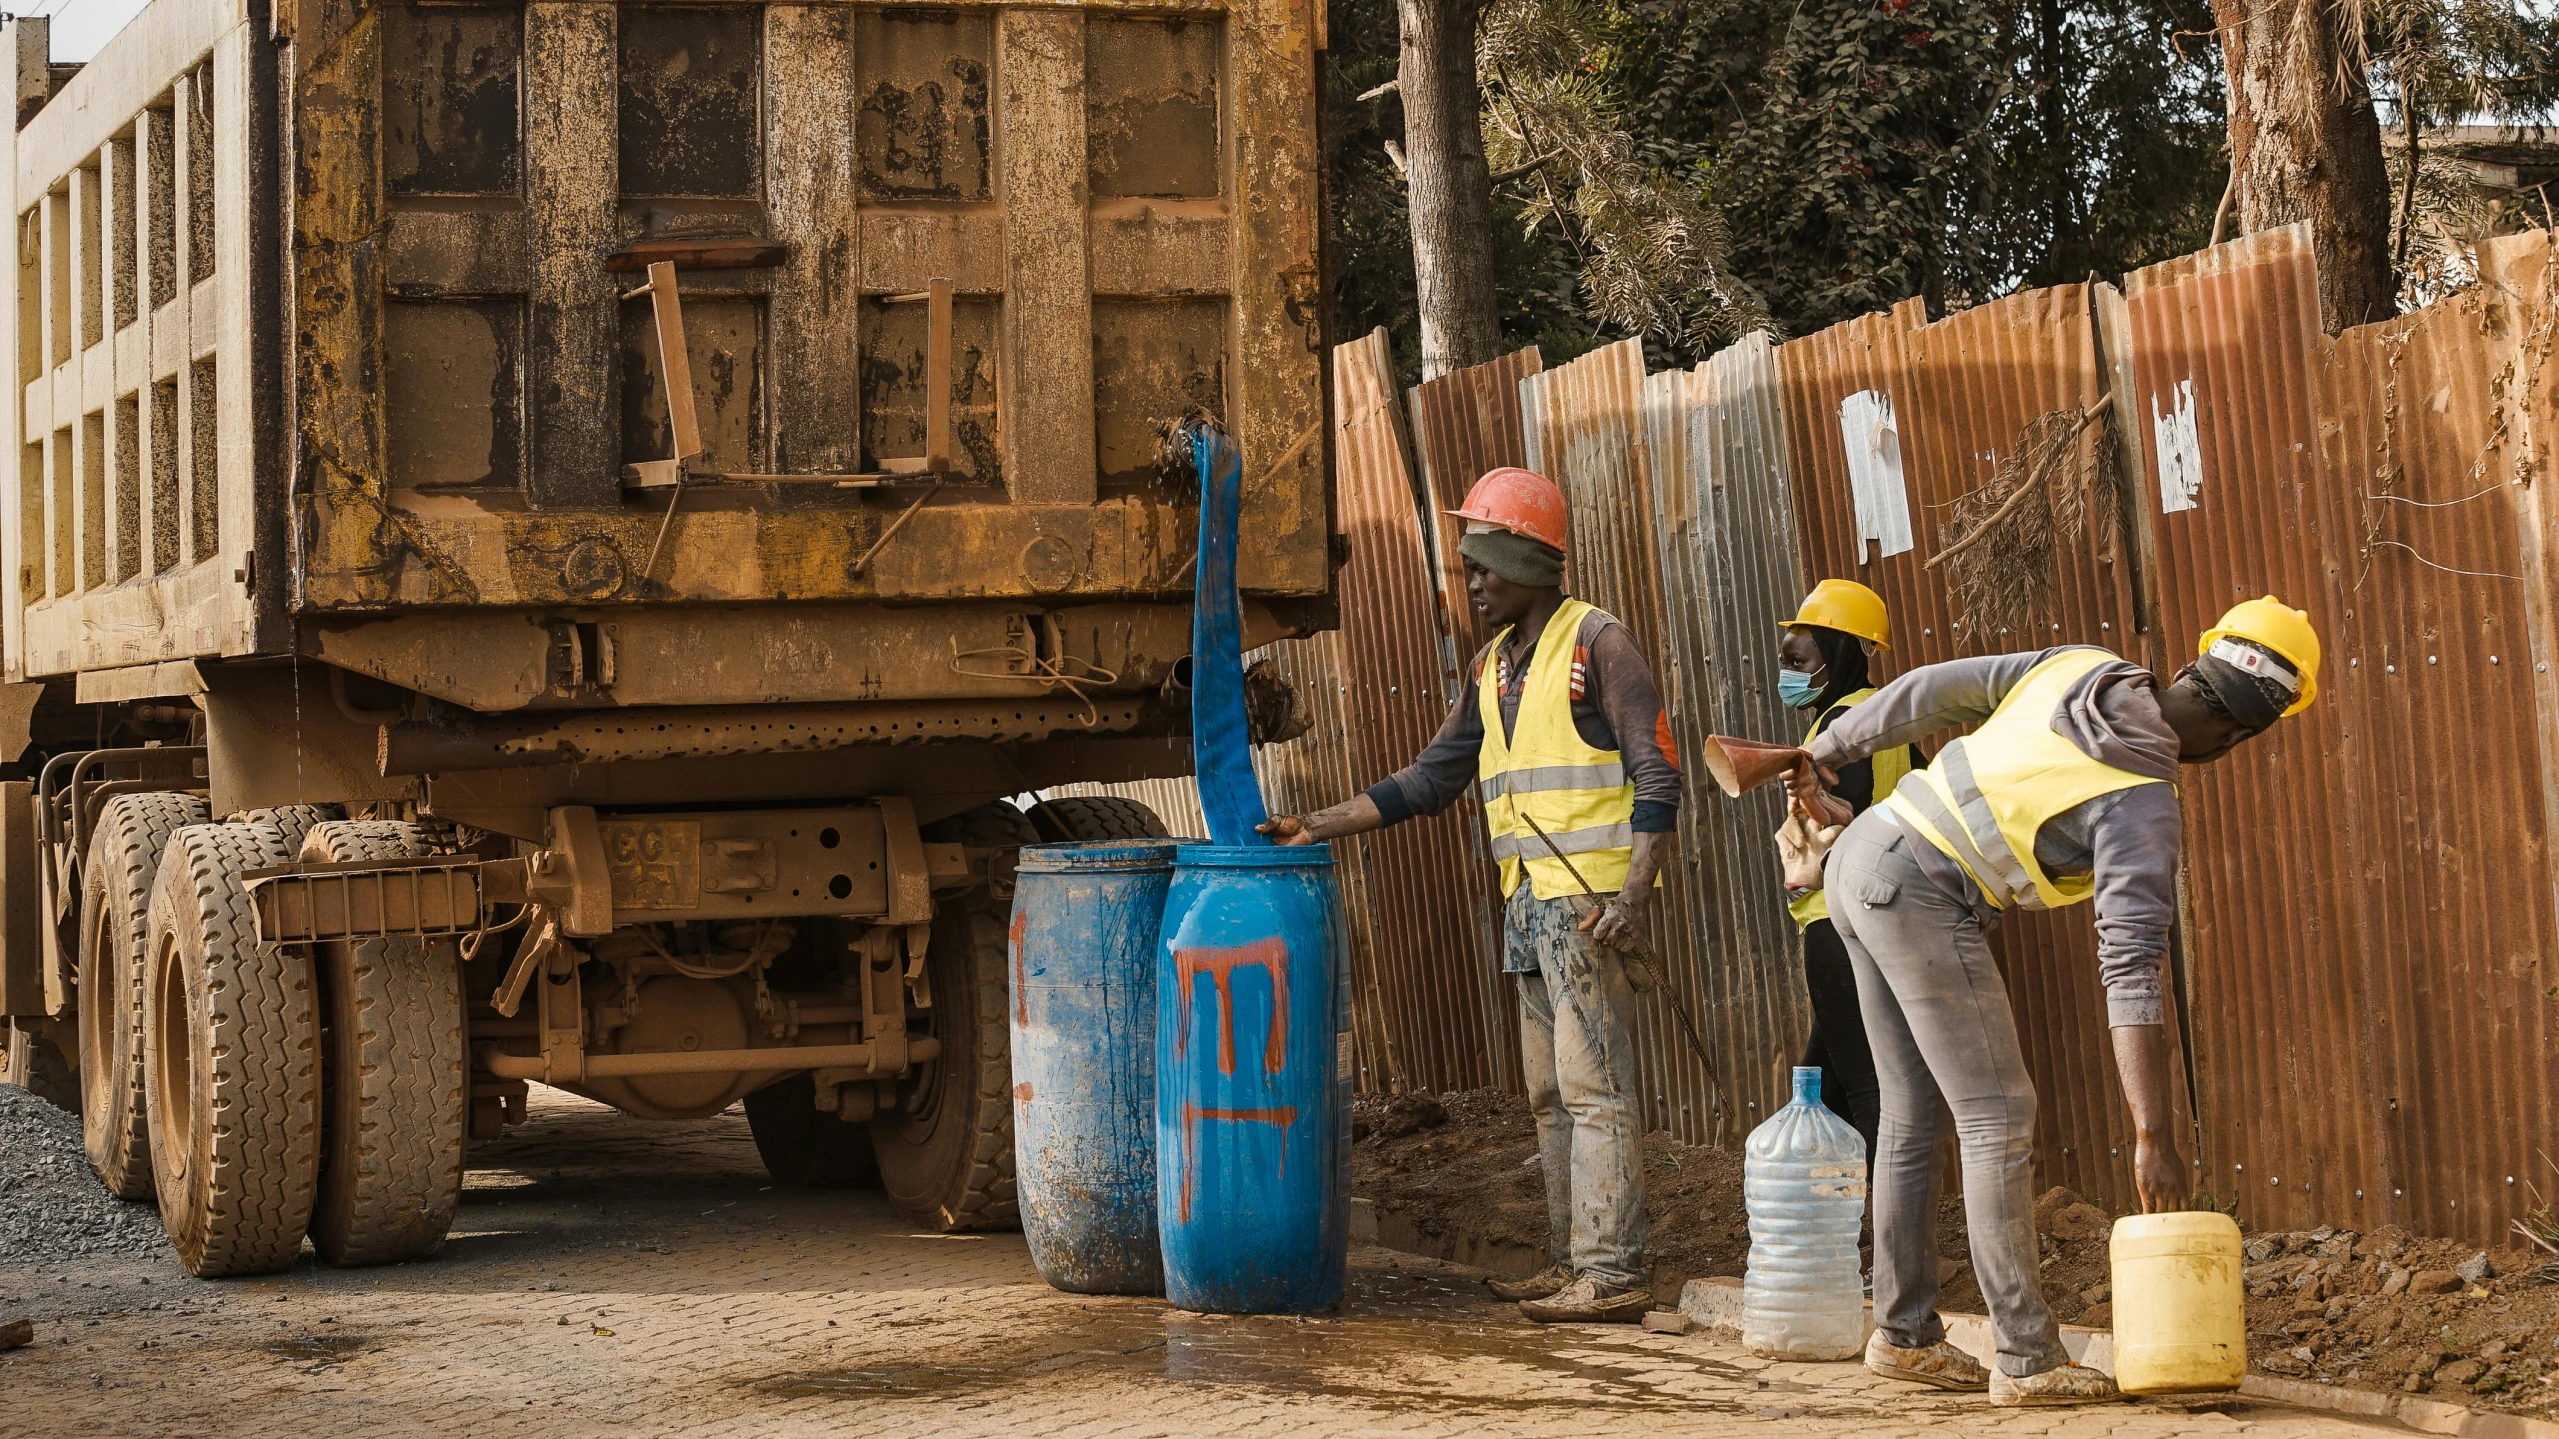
<point x="1454" y="1175"/>
<point x="612" y="1276"/>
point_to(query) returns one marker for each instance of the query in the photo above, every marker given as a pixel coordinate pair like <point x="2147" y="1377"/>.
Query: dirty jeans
<point x="1947" y="1059"/>
<point x="1577" y="1047"/>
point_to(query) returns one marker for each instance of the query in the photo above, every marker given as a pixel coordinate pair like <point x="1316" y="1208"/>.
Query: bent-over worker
<point x="1560" y="723"/>
<point x="1822" y="668"/>
<point x="2065" y="793"/>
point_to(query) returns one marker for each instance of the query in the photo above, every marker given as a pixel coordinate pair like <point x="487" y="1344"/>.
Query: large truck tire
<point x="396" y="1076"/>
<point x="1095" y="816"/>
<point x="115" y="938"/>
<point x="231" y="1033"/>
<point x="35" y="1064"/>
<point x="806" y="1147"/>
<point x="946" y="1152"/>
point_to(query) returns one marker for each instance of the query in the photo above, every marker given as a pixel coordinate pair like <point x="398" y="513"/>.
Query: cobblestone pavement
<point x="610" y="1275"/>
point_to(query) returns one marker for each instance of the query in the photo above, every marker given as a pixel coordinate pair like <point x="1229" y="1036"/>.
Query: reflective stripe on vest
<point x="1889" y="765"/>
<point x="1579" y="795"/>
<point x="1986" y="796"/>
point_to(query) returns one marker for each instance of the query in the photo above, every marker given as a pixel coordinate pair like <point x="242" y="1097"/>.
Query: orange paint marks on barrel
<point x="1268" y="955"/>
<point x="1021" y="972"/>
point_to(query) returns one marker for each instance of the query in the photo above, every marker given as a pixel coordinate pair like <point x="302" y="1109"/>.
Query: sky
<point x="82" y="27"/>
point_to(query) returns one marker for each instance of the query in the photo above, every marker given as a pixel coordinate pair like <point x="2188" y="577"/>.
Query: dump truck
<point x="547" y="534"/>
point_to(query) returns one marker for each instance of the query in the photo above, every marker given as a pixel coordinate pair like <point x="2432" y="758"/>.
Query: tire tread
<point x="245" y="1199"/>
<point x="123" y="861"/>
<point x="397" y="1097"/>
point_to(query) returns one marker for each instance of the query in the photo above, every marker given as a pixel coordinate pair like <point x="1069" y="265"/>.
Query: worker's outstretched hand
<point x="1286" y="829"/>
<point x="2159" y="1175"/>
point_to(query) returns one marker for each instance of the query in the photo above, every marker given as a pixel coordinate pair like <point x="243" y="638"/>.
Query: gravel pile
<point x="51" y="1206"/>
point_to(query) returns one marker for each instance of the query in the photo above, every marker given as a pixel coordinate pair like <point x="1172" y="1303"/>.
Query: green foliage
<point x="2449" y="63"/>
<point x="2108" y="152"/>
<point x="1650" y="248"/>
<point x="1370" y="242"/>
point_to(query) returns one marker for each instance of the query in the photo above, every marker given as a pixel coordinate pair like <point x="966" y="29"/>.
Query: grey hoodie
<point x="2128" y="839"/>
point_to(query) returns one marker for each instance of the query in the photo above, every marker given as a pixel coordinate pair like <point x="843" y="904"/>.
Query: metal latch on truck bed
<point x="684" y="430"/>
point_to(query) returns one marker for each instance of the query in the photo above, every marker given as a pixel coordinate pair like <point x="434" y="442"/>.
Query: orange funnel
<point x="1742" y="765"/>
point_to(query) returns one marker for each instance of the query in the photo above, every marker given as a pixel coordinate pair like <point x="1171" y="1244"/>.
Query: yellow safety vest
<point x="1579" y="795"/>
<point x="1889" y="766"/>
<point x="1986" y="796"/>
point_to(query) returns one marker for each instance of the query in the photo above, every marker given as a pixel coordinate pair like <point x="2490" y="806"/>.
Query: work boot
<point x="1940" y="1365"/>
<point x="1545" y="1283"/>
<point x="1589" y="1301"/>
<point x="2066" y="1384"/>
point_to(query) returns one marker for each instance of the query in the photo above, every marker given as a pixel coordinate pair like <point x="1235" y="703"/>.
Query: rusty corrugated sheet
<point x="2368" y="886"/>
<point x="1465" y="423"/>
<point x="1960" y="391"/>
<point x="1431" y="944"/>
<point x="2226" y="355"/>
<point x="1725" y="521"/>
<point x="1585" y="430"/>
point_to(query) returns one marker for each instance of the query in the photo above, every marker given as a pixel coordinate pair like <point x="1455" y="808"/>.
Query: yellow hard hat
<point x="1848" y="607"/>
<point x="2279" y="627"/>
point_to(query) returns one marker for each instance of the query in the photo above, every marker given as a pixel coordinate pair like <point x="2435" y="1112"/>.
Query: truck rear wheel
<point x="115" y="937"/>
<point x="946" y="1151"/>
<point x="807" y="1147"/>
<point x="1095" y="816"/>
<point x="396" y="1083"/>
<point x="232" y="1037"/>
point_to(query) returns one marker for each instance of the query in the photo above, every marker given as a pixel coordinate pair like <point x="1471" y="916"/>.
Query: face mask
<point x="1797" y="689"/>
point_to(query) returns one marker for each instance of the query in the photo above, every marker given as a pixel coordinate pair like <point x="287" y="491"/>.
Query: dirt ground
<point x="2379" y="1311"/>
<point x="612" y="1276"/>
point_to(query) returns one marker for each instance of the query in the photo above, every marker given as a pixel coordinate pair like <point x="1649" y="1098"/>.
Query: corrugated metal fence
<point x="2368" y="957"/>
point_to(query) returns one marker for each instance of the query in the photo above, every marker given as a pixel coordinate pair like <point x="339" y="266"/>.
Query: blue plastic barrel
<point x="1252" y="1092"/>
<point x="1085" y="921"/>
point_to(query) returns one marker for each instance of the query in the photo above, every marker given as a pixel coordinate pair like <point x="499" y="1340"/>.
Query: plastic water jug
<point x="1804" y="1183"/>
<point x="2180" y="1309"/>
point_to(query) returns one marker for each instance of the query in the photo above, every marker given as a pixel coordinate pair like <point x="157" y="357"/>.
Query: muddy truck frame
<point x="545" y="534"/>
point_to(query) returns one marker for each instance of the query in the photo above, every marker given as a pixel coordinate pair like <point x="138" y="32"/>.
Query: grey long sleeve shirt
<point x="1616" y="707"/>
<point x="2129" y="839"/>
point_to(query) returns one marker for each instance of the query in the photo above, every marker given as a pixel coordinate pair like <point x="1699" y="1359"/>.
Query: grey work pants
<point x="1577" y="1048"/>
<point x="1947" y="1058"/>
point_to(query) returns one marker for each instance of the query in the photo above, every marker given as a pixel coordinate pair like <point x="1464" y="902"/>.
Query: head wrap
<point x="1844" y="664"/>
<point x="1515" y="557"/>
<point x="2245" y="681"/>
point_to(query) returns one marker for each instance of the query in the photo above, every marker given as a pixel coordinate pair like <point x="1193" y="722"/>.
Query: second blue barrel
<point x="1085" y="921"/>
<point x="1253" y="1081"/>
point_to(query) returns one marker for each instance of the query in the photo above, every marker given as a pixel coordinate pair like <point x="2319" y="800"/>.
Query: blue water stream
<point x="1220" y="746"/>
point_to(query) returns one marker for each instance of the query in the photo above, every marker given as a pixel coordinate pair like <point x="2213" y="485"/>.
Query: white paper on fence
<point x="2181" y="453"/>
<point x="1875" y="486"/>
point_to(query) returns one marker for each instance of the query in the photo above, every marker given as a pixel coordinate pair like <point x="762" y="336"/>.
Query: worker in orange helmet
<point x="1561" y="730"/>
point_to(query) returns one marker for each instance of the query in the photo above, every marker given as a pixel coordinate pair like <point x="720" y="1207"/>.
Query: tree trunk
<point x="2305" y="146"/>
<point x="1448" y="185"/>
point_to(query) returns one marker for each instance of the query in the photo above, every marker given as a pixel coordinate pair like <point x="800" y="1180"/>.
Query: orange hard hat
<point x="1521" y="501"/>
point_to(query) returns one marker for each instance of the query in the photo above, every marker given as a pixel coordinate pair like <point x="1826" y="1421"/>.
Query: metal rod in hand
<point x="1688" y="1026"/>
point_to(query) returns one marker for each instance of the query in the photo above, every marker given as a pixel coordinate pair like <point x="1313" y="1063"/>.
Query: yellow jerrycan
<point x="2181" y="1324"/>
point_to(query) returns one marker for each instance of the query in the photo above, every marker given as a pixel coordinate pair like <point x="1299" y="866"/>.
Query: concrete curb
<point x="1717" y="1303"/>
